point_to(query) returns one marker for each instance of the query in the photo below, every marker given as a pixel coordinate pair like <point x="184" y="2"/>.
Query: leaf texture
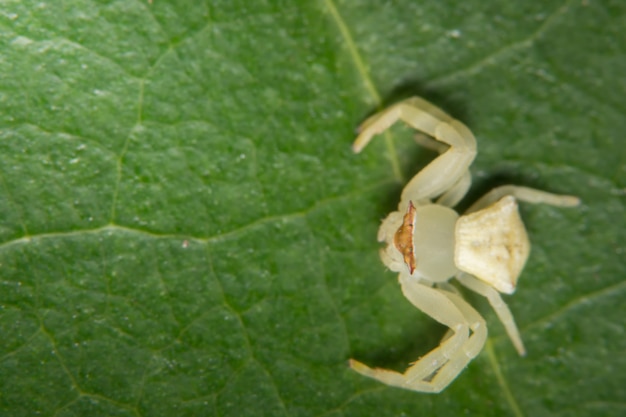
<point x="186" y="232"/>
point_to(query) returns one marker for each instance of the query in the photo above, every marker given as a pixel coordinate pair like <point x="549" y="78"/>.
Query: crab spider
<point x="428" y="244"/>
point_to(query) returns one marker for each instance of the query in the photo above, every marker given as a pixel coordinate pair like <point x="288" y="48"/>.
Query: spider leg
<point x="470" y="349"/>
<point x="456" y="193"/>
<point x="500" y="307"/>
<point x="437" y="369"/>
<point x="448" y="168"/>
<point x="525" y="194"/>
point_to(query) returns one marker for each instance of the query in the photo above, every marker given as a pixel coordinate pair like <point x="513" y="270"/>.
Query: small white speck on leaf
<point x="454" y="33"/>
<point x="21" y="41"/>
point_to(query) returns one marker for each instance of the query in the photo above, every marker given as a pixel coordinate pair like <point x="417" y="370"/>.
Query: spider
<point x="428" y="244"/>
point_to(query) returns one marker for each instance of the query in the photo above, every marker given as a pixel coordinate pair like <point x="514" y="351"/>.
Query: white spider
<point x="428" y="243"/>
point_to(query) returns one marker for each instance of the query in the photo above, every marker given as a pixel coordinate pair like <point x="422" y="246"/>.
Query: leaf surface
<point x="185" y="230"/>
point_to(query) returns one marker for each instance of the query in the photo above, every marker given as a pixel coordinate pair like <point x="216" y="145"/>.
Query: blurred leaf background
<point x="186" y="232"/>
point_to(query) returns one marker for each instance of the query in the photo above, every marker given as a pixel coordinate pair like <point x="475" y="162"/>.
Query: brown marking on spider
<point x="403" y="239"/>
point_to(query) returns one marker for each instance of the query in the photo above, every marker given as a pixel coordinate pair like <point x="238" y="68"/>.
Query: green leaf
<point x="185" y="230"/>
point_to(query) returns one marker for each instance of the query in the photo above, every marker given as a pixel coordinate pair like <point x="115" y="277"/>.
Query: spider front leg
<point x="448" y="172"/>
<point x="436" y="370"/>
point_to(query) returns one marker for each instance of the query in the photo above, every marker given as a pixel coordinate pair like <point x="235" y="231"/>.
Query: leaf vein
<point x="495" y="364"/>
<point x="112" y="227"/>
<point x="573" y="304"/>
<point x="353" y="50"/>
<point x="365" y="77"/>
<point x="494" y="57"/>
